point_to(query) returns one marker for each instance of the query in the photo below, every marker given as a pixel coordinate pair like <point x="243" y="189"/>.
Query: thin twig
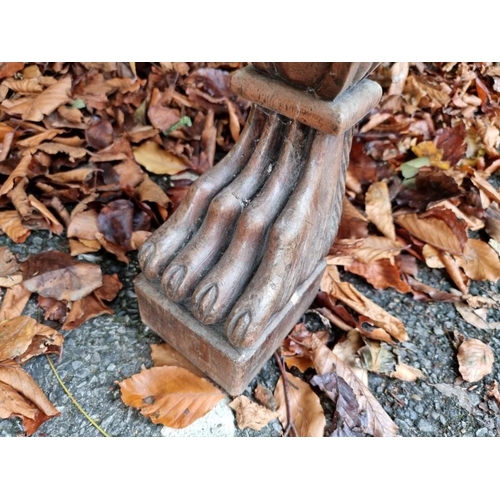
<point x="74" y="401"/>
<point x="290" y="425"/>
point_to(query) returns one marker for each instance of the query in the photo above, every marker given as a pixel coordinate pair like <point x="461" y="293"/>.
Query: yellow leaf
<point x="156" y="160"/>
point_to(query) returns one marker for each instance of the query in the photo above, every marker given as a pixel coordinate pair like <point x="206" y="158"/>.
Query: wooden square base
<point x="207" y="347"/>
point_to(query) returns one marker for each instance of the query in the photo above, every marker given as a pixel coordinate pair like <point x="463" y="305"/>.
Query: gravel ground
<point x="111" y="348"/>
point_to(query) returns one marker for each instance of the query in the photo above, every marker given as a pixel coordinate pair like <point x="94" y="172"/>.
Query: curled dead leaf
<point x="378" y="209"/>
<point x="21" y="397"/>
<point x="251" y="415"/>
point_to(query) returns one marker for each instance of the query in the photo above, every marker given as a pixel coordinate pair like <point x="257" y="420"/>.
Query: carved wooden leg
<point x="229" y="274"/>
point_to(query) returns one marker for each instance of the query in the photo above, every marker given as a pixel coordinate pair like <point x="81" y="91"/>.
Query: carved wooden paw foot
<point x="251" y="230"/>
<point x="247" y="243"/>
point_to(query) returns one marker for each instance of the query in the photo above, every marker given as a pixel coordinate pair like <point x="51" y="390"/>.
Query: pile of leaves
<point x="104" y="152"/>
<point x="101" y="153"/>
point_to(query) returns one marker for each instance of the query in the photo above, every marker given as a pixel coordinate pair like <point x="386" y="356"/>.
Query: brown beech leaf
<point x="469" y="315"/>
<point x="375" y="420"/>
<point x="160" y="114"/>
<point x="157" y="160"/>
<point x="62" y="280"/>
<point x="265" y="397"/>
<point x="115" y="222"/>
<point x="8" y="262"/>
<point x="16" y="335"/>
<point x="49" y="100"/>
<point x="14" y="301"/>
<point x="381" y="274"/>
<point x="21" y="171"/>
<point x="84" y="309"/>
<point x="164" y="355"/>
<point x="480" y="261"/>
<point x="55" y="310"/>
<point x="21" y="397"/>
<point x="347" y="351"/>
<point x="8" y="69"/>
<point x="113" y="248"/>
<point x="486" y="187"/>
<point x="475" y="360"/>
<point x="99" y="134"/>
<point x="11" y="225"/>
<point x="353" y="223"/>
<point x="148" y="190"/>
<point x="377" y="357"/>
<point x="296" y="347"/>
<point x="305" y="408"/>
<point x="376" y="248"/>
<point x="251" y="415"/>
<point x="170" y="395"/>
<point x="425" y="293"/>
<point x="434" y="231"/>
<point x="346" y="419"/>
<point x="53" y="148"/>
<point x="83" y="225"/>
<point x="346" y="293"/>
<point x="407" y="373"/>
<point x="378" y="209"/>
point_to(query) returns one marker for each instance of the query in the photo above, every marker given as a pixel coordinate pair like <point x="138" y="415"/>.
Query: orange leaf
<point x="164" y="355"/>
<point x="10" y="224"/>
<point x="21" y="397"/>
<point x="305" y="408"/>
<point x="170" y="395"/>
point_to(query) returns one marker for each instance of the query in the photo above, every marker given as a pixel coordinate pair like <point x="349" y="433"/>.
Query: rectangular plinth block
<point x="206" y="345"/>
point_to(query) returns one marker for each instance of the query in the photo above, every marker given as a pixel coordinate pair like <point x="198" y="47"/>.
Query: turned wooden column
<point x="229" y="274"/>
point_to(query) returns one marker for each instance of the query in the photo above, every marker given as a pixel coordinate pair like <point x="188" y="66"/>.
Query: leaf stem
<point x="290" y="425"/>
<point x="74" y="401"/>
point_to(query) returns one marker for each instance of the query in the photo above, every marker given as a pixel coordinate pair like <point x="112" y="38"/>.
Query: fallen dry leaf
<point x="170" y="395"/>
<point x="11" y="225"/>
<point x="480" y="261"/>
<point x="433" y="231"/>
<point x="265" y="397"/>
<point x="17" y="336"/>
<point x="157" y="160"/>
<point x="377" y="357"/>
<point x="475" y="360"/>
<point x="469" y="315"/>
<point x="67" y="283"/>
<point x="251" y="415"/>
<point x="21" y="397"/>
<point x="8" y="262"/>
<point x="346" y="293"/>
<point x="14" y="302"/>
<point x="407" y="373"/>
<point x="305" y="408"/>
<point x="165" y="355"/>
<point x="378" y="209"/>
<point x="375" y="420"/>
<point x="49" y="100"/>
<point x="347" y="351"/>
<point x="347" y="418"/>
